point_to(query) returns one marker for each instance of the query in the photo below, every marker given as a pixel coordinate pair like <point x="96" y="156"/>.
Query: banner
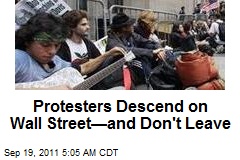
<point x="25" y="9"/>
<point x="209" y="5"/>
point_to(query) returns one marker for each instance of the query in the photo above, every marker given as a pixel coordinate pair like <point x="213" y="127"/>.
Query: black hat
<point x="121" y="20"/>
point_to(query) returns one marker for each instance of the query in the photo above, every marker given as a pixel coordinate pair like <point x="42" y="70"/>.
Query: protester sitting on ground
<point x="188" y="41"/>
<point x="175" y="36"/>
<point x="193" y="30"/>
<point x="214" y="29"/>
<point x="201" y="30"/>
<point x="78" y="48"/>
<point x="146" y="25"/>
<point x="146" y="51"/>
<point x="36" y="44"/>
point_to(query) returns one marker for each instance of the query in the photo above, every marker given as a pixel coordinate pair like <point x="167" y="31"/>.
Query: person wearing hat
<point x="146" y="52"/>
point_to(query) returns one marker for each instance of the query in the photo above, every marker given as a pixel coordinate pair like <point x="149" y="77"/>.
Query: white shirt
<point x="154" y="38"/>
<point x="78" y="50"/>
<point x="215" y="28"/>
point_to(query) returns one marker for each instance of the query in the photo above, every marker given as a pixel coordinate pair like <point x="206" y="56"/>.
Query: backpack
<point x="164" y="77"/>
<point x="195" y="69"/>
<point x="221" y="27"/>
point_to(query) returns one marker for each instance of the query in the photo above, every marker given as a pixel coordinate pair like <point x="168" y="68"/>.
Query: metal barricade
<point x="97" y="19"/>
<point x="165" y="20"/>
<point x="134" y="12"/>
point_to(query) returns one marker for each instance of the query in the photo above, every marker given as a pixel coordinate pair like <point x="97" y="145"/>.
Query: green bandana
<point x="45" y="37"/>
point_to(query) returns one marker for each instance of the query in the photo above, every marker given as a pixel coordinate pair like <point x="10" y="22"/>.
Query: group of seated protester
<point x="198" y="33"/>
<point x="47" y="44"/>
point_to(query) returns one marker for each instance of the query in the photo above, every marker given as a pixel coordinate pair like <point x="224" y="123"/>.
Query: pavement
<point x="220" y="64"/>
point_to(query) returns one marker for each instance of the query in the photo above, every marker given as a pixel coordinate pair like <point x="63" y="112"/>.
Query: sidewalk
<point x="220" y="63"/>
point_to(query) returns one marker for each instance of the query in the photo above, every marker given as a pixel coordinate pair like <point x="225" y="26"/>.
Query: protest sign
<point x="25" y="9"/>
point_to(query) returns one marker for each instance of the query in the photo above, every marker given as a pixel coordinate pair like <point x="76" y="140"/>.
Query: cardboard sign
<point x="25" y="9"/>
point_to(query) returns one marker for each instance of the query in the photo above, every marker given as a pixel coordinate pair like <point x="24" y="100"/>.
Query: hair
<point x="206" y="49"/>
<point x="175" y="27"/>
<point x="148" y="17"/>
<point x="217" y="16"/>
<point x="73" y="17"/>
<point x="41" y="22"/>
<point x="187" y="26"/>
<point x="146" y="21"/>
<point x="145" y="28"/>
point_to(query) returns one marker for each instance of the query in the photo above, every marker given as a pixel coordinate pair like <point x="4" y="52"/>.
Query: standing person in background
<point x="222" y="10"/>
<point x="197" y="9"/>
<point x="182" y="11"/>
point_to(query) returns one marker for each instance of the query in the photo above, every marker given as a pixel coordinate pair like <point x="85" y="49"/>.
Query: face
<point x="153" y="26"/>
<point x="82" y="28"/>
<point x="128" y="29"/>
<point x="194" y="23"/>
<point x="181" y="29"/>
<point x="43" y="52"/>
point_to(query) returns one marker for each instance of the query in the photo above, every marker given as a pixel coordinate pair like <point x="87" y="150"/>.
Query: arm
<point x="138" y="52"/>
<point x="93" y="64"/>
<point x="142" y="42"/>
<point x="213" y="29"/>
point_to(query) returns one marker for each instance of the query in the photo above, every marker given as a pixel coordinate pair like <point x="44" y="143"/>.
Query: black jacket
<point x="142" y="49"/>
<point x="65" y="54"/>
<point x="93" y="52"/>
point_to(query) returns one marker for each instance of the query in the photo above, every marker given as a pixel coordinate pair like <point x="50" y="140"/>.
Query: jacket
<point x="64" y="51"/>
<point x="142" y="49"/>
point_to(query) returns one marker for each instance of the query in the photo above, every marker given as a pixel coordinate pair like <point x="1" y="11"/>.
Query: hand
<point x="160" y="53"/>
<point x="117" y="51"/>
<point x="156" y="51"/>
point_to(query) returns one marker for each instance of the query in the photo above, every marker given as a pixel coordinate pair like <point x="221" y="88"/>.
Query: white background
<point x="131" y="144"/>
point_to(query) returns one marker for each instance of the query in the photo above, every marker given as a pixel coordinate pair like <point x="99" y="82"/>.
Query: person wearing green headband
<point x="36" y="44"/>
